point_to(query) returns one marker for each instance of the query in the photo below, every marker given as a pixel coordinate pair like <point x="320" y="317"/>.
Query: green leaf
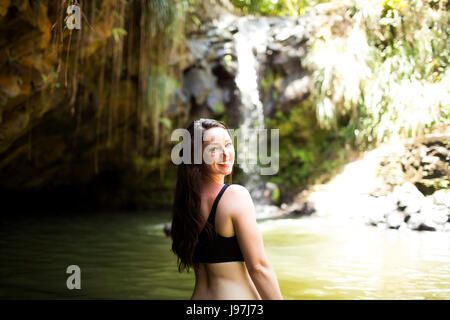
<point x="117" y="32"/>
<point x="218" y="107"/>
<point x="166" y="122"/>
<point x="276" y="195"/>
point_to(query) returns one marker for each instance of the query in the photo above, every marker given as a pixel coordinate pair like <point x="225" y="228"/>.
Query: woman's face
<point x="218" y="151"/>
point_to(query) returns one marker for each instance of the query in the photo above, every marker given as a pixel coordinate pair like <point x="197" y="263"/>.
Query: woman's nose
<point x="225" y="152"/>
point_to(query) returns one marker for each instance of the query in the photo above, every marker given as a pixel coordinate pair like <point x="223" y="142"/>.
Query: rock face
<point x="71" y="111"/>
<point x="209" y="76"/>
<point x="71" y="117"/>
<point x="425" y="163"/>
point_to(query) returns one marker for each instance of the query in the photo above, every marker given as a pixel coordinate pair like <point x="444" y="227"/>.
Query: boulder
<point x="395" y="220"/>
<point x="409" y="198"/>
<point x="198" y="48"/>
<point x="214" y="101"/>
<point x="264" y="193"/>
<point x="197" y="83"/>
<point x="442" y="197"/>
<point x="306" y="210"/>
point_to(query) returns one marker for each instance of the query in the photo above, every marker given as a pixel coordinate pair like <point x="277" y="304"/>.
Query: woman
<point x="214" y="227"/>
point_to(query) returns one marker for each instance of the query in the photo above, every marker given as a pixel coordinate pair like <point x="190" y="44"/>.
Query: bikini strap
<point x="212" y="214"/>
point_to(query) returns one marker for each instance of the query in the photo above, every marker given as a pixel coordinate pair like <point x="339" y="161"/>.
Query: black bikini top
<point x="217" y="249"/>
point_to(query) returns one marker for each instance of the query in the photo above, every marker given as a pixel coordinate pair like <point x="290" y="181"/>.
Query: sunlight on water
<point x="127" y="256"/>
<point x="352" y="261"/>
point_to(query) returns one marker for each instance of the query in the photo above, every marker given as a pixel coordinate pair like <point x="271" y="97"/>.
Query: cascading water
<point x="250" y="40"/>
<point x="255" y="42"/>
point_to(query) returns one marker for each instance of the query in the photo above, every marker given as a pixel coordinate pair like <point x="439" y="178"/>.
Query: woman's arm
<point x="250" y="240"/>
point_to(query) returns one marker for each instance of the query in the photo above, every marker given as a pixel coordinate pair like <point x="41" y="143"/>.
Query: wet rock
<point x="178" y="100"/>
<point x="270" y="108"/>
<point x="233" y="29"/>
<point x="214" y="101"/>
<point x="221" y="53"/>
<point x="426" y="227"/>
<point x="197" y="83"/>
<point x="287" y="61"/>
<point x="306" y="210"/>
<point x="415" y="221"/>
<point x="382" y="225"/>
<point x="407" y="207"/>
<point x="272" y="48"/>
<point x="219" y="35"/>
<point x="437" y="214"/>
<point x="375" y="217"/>
<point x="422" y="222"/>
<point x="440" y="215"/>
<point x="265" y="193"/>
<point x="267" y="212"/>
<point x="442" y="197"/>
<point x="395" y="220"/>
<point x="409" y="198"/>
<point x="198" y="48"/>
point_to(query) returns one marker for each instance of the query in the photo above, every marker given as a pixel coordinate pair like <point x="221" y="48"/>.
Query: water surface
<point x="127" y="256"/>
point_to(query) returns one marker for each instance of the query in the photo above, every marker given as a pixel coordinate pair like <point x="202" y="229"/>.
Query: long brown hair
<point x="187" y="220"/>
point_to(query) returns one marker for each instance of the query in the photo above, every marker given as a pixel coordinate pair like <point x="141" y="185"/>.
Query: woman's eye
<point x="214" y="148"/>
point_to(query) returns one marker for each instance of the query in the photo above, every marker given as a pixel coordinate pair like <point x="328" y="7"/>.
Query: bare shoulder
<point x="239" y="200"/>
<point x="239" y="192"/>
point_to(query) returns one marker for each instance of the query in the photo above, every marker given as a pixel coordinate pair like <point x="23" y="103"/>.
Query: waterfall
<point x="250" y="40"/>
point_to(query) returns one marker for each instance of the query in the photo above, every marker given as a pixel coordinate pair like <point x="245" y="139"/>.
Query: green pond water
<point x="127" y="256"/>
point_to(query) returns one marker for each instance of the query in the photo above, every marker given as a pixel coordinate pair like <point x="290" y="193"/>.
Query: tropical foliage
<point x="275" y="7"/>
<point x="387" y="72"/>
<point x="380" y="72"/>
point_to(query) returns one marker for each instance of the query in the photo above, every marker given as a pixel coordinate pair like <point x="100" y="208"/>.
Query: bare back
<point x="224" y="280"/>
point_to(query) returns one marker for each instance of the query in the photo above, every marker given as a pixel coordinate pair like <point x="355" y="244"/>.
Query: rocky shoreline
<point x="409" y="189"/>
<point x="407" y="207"/>
<point x="422" y="202"/>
